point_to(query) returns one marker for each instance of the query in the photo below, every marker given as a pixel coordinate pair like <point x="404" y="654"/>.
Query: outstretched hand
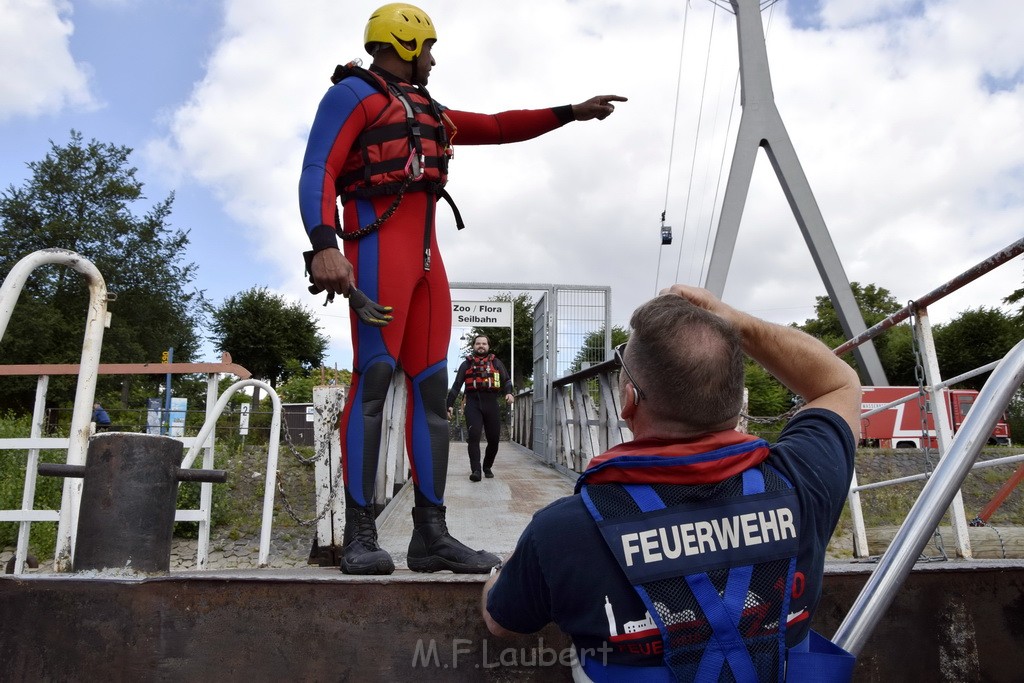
<point x="599" y="107"/>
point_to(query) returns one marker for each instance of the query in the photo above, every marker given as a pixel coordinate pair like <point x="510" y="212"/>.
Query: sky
<point x="905" y="115"/>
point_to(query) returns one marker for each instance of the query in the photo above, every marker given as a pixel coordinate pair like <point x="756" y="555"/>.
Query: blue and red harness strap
<point x="814" y="659"/>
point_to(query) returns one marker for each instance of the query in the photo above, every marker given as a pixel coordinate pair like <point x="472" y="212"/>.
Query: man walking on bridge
<point x="485" y="378"/>
<point x="382" y="144"/>
<point x="696" y="552"/>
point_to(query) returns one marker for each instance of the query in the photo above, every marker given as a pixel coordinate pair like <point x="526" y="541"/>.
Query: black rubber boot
<point x="432" y="548"/>
<point x="361" y="554"/>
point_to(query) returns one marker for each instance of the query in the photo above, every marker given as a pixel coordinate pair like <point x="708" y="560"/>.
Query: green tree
<point x="1016" y="296"/>
<point x="85" y="197"/>
<point x="766" y="396"/>
<point x="593" y="350"/>
<point x="298" y="388"/>
<point x="500" y="337"/>
<point x="875" y="304"/>
<point x="974" y="338"/>
<point x="268" y="335"/>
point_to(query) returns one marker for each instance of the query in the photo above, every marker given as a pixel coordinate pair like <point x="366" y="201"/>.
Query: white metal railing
<point x="96" y="320"/>
<point x="937" y="408"/>
<point x="76" y="445"/>
<point x="924" y="516"/>
<point x="585" y="428"/>
<point x="934" y="386"/>
<point x="206" y="492"/>
<point x="35" y="443"/>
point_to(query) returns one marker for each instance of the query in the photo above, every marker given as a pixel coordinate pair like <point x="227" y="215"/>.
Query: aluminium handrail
<point x="880" y="589"/>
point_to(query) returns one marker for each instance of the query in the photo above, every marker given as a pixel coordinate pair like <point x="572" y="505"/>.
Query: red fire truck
<point x="900" y="426"/>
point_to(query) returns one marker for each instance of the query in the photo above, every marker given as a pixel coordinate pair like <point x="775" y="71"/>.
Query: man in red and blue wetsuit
<point x="382" y="144"/>
<point x="696" y="552"/>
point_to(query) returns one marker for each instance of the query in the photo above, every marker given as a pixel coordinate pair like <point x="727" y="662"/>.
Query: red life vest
<point x="482" y="374"/>
<point x="408" y="141"/>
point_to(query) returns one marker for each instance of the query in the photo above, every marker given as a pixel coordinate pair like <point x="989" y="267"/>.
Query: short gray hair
<point x="689" y="362"/>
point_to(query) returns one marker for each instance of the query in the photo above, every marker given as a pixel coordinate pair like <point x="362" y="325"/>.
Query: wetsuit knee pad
<point x="374" y="385"/>
<point x="434" y="393"/>
<point x="428" y="437"/>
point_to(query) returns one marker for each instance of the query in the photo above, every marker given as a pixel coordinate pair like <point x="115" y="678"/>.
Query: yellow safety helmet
<point x="400" y="25"/>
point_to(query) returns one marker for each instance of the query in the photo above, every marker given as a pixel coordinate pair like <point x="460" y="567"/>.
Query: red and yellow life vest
<point x="482" y="374"/>
<point x="408" y="142"/>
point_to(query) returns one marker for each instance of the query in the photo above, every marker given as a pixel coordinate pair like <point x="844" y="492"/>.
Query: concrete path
<point x="486" y="515"/>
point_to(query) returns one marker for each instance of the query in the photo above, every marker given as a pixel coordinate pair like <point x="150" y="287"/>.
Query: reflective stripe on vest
<point x="482" y="374"/>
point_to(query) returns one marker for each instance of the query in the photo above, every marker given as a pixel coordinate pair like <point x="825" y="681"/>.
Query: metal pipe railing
<point x="273" y="444"/>
<point x="995" y="462"/>
<point x="995" y="260"/>
<point x="95" y="322"/>
<point x="895" y="565"/>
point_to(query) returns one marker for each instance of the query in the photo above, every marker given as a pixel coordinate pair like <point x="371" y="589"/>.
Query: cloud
<point x="905" y="117"/>
<point x="40" y="75"/>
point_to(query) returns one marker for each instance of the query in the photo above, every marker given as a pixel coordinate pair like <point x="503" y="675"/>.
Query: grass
<point x="238" y="504"/>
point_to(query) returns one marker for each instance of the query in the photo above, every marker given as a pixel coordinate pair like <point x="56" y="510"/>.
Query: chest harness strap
<point x="729" y="613"/>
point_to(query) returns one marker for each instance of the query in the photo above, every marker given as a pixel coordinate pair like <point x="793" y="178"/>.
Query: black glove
<point x="368" y="310"/>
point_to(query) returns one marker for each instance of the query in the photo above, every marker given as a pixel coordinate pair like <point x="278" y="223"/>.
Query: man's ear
<point x="630" y="400"/>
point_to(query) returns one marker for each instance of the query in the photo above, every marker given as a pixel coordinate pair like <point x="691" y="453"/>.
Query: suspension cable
<point x="696" y="138"/>
<point x="672" y="140"/>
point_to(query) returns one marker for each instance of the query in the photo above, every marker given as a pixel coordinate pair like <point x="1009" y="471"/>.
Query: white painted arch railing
<point x="96" y="320"/>
<point x="270" y="478"/>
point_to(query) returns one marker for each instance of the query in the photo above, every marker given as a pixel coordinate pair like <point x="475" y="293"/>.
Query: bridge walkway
<point x="486" y="515"/>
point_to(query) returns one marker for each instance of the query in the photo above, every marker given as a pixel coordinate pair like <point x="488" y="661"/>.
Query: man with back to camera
<point x="485" y="377"/>
<point x="383" y="144"/>
<point x="696" y="551"/>
<point x="100" y="417"/>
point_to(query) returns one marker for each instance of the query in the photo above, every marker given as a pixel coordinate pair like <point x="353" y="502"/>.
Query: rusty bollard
<point x="129" y="495"/>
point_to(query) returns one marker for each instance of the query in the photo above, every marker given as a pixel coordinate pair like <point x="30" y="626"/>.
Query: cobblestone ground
<point x="287" y="550"/>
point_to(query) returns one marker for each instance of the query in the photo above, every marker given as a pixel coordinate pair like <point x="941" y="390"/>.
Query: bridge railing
<point x="936" y="496"/>
<point x="586" y="416"/>
<point x="931" y="385"/>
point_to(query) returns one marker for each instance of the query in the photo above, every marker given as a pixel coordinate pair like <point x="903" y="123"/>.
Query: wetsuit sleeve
<point x="340" y="118"/>
<point x="508" y="126"/>
<point x="460" y="378"/>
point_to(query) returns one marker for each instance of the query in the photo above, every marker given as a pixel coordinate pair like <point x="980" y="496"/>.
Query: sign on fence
<point x="482" y="313"/>
<point x="243" y="419"/>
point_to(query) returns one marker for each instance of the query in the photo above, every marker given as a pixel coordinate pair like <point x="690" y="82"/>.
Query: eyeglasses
<point x="620" y="352"/>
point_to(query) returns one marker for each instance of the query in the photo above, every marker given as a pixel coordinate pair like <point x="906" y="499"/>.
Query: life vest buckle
<point x="415" y="167"/>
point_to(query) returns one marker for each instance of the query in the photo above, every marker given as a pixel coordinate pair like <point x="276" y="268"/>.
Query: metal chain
<point x="328" y="417"/>
<point x="924" y="405"/>
<point x="375" y="226"/>
<point x="778" y="418"/>
<point x="335" y="487"/>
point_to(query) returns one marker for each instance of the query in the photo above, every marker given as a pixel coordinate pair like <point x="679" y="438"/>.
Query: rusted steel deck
<point x="952" y="621"/>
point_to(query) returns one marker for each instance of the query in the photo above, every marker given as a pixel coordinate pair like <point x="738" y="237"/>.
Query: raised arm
<point x="805" y="365"/>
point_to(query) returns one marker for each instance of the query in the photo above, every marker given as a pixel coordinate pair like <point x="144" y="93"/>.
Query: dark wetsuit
<point x="481" y="409"/>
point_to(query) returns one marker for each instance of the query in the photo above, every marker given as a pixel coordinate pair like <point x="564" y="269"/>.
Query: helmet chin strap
<point x="415" y="80"/>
